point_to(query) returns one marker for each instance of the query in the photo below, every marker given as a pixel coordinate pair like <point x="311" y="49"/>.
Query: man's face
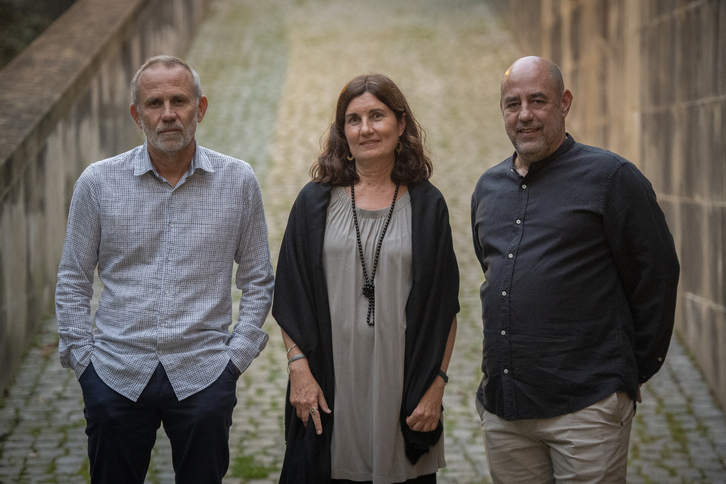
<point x="167" y="109"/>
<point x="534" y="111"/>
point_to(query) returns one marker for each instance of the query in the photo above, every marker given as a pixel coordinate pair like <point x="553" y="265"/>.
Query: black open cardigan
<point x="301" y="308"/>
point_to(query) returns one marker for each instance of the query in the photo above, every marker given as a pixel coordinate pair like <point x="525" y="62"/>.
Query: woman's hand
<point x="426" y="416"/>
<point x="306" y="395"/>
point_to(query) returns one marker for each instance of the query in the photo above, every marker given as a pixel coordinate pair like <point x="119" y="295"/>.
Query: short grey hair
<point x="555" y="74"/>
<point x="166" y="61"/>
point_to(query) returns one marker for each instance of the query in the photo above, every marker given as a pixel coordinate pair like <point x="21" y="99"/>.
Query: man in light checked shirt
<point x="163" y="223"/>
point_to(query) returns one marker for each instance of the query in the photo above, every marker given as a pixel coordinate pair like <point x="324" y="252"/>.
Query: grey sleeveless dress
<point x="367" y="442"/>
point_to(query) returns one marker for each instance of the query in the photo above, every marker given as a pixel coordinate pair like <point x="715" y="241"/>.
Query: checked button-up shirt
<point x="165" y="257"/>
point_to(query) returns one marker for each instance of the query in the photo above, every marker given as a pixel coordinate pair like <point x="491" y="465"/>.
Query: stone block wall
<point x="649" y="82"/>
<point x="65" y="105"/>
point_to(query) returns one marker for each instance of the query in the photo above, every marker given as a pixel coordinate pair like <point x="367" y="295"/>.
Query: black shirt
<point x="581" y="276"/>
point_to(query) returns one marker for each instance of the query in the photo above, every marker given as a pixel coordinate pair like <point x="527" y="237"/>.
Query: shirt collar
<point x="541" y="164"/>
<point x="142" y="162"/>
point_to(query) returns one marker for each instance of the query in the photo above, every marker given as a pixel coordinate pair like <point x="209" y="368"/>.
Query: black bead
<point x="369" y="289"/>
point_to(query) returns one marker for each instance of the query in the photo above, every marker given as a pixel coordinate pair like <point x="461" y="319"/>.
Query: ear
<point x="135" y="115"/>
<point x="402" y="124"/>
<point x="203" y="105"/>
<point x="566" y="102"/>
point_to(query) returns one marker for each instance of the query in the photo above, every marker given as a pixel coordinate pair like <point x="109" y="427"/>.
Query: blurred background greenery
<point x="21" y="21"/>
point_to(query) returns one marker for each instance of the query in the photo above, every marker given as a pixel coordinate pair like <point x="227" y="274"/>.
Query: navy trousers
<point x="121" y="432"/>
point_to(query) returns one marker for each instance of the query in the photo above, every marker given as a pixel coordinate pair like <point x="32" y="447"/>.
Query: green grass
<point x="247" y="467"/>
<point x="85" y="471"/>
<point x="678" y="433"/>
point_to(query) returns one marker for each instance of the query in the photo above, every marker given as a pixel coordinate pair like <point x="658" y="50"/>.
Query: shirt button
<point x="168" y="257"/>
<point x="524" y="186"/>
<point x="511" y="256"/>
<point x="504" y="293"/>
<point x="171" y="225"/>
<point x="503" y="332"/>
<point x="506" y="371"/>
<point x="166" y="291"/>
<point x="161" y="352"/>
<point x="660" y="359"/>
<point x="519" y="221"/>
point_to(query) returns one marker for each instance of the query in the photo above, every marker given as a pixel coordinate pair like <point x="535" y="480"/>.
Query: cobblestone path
<point x="272" y="71"/>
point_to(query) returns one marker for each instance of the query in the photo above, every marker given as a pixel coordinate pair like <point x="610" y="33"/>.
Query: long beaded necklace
<point x="369" y="289"/>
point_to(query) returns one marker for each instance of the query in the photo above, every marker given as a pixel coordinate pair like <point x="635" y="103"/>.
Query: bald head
<point x="539" y="65"/>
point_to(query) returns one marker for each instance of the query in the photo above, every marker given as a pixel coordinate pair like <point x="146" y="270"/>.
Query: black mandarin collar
<point x="540" y="165"/>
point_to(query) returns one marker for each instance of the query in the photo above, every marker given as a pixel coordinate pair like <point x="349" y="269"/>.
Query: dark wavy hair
<point x="412" y="164"/>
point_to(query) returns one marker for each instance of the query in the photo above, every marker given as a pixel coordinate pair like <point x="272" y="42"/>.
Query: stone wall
<point x="65" y="105"/>
<point x="649" y="82"/>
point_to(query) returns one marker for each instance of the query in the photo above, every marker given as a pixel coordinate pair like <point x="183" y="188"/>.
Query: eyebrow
<point x="534" y="95"/>
<point x="182" y="97"/>
<point x="372" y="111"/>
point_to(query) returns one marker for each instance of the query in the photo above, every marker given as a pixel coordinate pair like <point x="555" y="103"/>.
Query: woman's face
<point x="372" y="129"/>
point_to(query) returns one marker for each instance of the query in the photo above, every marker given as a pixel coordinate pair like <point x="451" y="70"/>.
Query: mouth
<point x="369" y="143"/>
<point x="528" y="133"/>
<point x="168" y="129"/>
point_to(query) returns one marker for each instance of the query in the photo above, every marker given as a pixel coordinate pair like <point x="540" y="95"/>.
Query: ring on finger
<point x="313" y="411"/>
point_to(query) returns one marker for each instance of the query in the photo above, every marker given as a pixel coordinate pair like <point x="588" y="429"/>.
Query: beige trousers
<point x="588" y="446"/>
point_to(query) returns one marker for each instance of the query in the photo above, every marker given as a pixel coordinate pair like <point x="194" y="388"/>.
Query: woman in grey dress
<point x="366" y="297"/>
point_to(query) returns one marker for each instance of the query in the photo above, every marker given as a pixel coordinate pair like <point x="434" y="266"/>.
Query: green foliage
<point x="85" y="471"/>
<point x="246" y="467"/>
<point x="21" y="21"/>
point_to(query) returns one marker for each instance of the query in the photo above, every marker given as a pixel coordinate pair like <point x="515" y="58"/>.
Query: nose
<point x="168" y="113"/>
<point x="525" y="112"/>
<point x="365" y="126"/>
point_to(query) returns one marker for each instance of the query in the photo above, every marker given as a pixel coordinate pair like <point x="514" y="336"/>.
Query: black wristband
<point x="444" y="376"/>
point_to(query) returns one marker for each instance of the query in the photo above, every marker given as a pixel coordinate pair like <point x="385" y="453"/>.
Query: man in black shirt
<point x="579" y="299"/>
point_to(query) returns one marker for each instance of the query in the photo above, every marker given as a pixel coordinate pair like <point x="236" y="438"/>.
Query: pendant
<point x="369" y="290"/>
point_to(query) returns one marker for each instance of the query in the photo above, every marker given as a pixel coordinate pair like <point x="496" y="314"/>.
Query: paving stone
<point x="689" y="474"/>
<point x="10" y="470"/>
<point x="48" y="396"/>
